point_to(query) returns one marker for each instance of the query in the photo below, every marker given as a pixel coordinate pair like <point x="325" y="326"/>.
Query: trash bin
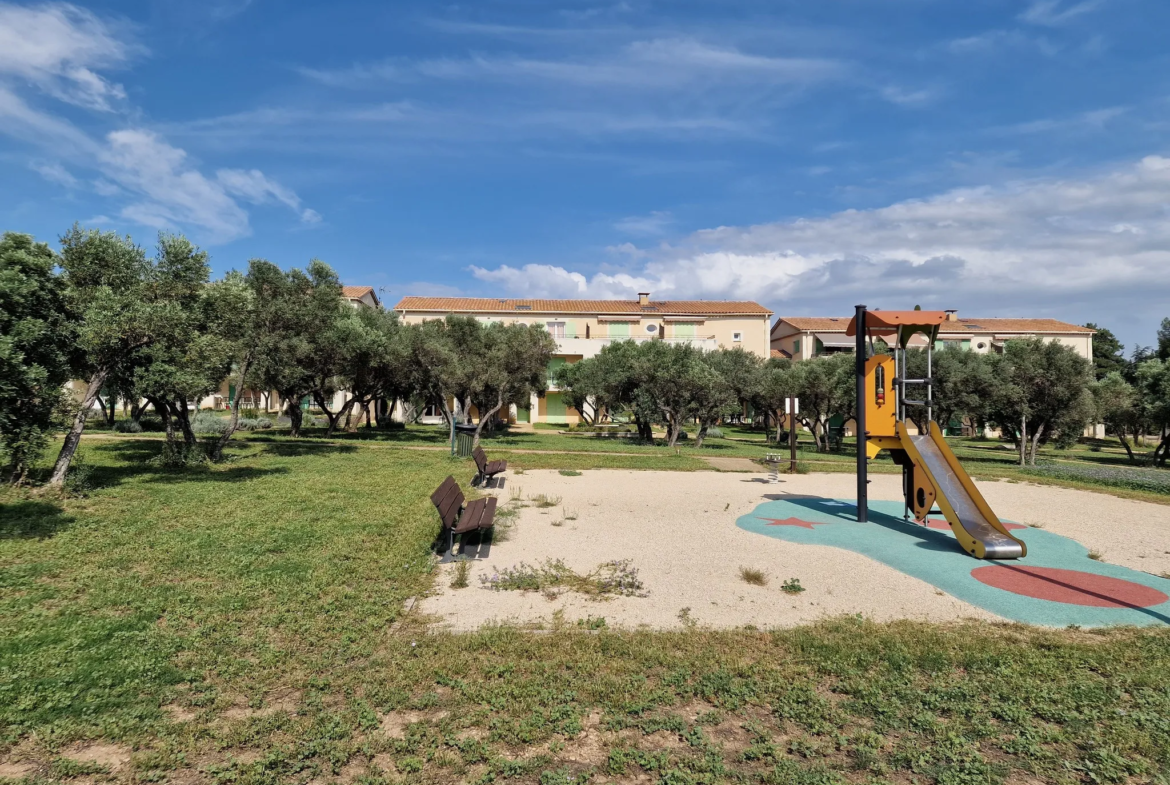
<point x="464" y="438"/>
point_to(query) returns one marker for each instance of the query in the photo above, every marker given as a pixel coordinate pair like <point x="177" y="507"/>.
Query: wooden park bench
<point x="487" y="469"/>
<point x="471" y="522"/>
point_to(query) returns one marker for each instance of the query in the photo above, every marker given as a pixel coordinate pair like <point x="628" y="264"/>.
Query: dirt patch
<point x="17" y="770"/>
<point x="731" y="736"/>
<point x="693" y="710"/>
<point x="661" y="740"/>
<point x="589" y="748"/>
<point x="178" y="713"/>
<point x="394" y="723"/>
<point x="286" y="701"/>
<point x="111" y="756"/>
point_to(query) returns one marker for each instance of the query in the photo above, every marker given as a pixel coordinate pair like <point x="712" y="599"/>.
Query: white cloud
<point x="655" y="223"/>
<point x="903" y="97"/>
<point x="175" y="192"/>
<point x="1056" y="12"/>
<point x="253" y="186"/>
<point x="1035" y="242"/>
<point x="54" y="172"/>
<point x="57" y="47"/>
<point x="1094" y="120"/>
<point x="655" y="63"/>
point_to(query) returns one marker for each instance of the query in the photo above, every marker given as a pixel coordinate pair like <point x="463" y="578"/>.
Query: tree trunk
<point x="779" y="424"/>
<point x="164" y="412"/>
<point x="234" y="420"/>
<point x="1023" y="441"/>
<point x="73" y="437"/>
<point x="484" y="418"/>
<point x="1124" y="443"/>
<point x="450" y="416"/>
<point x="673" y="428"/>
<point x="179" y="408"/>
<point x="1036" y="443"/>
<point x="136" y="412"/>
<point x="295" y="416"/>
<point x="333" y="419"/>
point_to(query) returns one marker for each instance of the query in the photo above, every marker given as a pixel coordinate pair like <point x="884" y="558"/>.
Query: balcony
<point x="589" y="347"/>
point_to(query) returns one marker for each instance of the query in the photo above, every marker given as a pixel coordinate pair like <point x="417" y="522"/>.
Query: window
<point x="796" y="347"/>
<point x="651" y="329"/>
<point x="737" y="337"/>
<point x="556" y="329"/>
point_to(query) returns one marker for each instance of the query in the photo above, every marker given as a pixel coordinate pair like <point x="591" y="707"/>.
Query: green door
<point x="523" y="415"/>
<point x="555" y="409"/>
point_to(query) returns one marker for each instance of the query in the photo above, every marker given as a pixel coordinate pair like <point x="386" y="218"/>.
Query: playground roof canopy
<point x="885" y="322"/>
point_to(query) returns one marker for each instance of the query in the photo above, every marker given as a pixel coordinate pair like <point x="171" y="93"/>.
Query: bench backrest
<point x="480" y="458"/>
<point x="448" y="500"/>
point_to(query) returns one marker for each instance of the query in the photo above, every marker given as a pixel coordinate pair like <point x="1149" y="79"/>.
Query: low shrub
<point x="254" y="424"/>
<point x="127" y="426"/>
<point x="152" y="424"/>
<point x="206" y="422"/>
<point x="1132" y="478"/>
<point x="714" y="433"/>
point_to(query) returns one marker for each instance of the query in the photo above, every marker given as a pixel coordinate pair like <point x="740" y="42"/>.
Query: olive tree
<point x="36" y="340"/>
<point x="120" y="303"/>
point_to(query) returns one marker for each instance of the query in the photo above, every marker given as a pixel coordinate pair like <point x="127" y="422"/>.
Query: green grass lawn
<point x="233" y="624"/>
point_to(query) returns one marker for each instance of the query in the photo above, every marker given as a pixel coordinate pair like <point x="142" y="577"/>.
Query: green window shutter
<point x="684" y="330"/>
<point x="231" y="392"/>
<point x="795" y="348"/>
<point x="619" y="329"/>
<point x="967" y="344"/>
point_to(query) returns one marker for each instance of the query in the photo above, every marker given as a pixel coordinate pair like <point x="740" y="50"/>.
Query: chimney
<point x="643" y="298"/>
<point x="952" y="316"/>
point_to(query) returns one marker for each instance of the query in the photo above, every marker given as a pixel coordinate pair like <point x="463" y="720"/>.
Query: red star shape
<point x="790" y="522"/>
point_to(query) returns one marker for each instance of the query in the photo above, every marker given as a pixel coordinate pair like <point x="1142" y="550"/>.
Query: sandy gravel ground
<point x="679" y="531"/>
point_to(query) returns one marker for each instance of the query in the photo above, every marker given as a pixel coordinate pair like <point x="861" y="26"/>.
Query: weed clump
<point x="553" y="577"/>
<point x="753" y="577"/>
<point x="791" y="586"/>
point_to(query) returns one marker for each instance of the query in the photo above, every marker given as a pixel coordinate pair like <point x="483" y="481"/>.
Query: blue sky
<point x="1002" y="157"/>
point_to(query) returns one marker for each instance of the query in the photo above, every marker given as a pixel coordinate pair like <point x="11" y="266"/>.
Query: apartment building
<point x="583" y="327"/>
<point x="804" y="337"/>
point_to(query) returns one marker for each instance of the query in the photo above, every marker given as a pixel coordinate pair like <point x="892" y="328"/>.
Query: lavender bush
<point x="1151" y="480"/>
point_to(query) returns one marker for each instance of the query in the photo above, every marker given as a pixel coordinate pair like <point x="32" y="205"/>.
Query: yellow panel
<point x="880" y="404"/>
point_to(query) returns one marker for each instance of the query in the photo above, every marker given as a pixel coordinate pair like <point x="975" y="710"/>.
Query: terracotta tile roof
<point x="357" y="292"/>
<point x="591" y="307"/>
<point x="974" y="325"/>
<point x="781" y="353"/>
<point x="815" y="323"/>
<point x="965" y="325"/>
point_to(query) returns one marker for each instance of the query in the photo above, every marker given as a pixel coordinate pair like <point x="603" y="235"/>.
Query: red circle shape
<point x="1071" y="587"/>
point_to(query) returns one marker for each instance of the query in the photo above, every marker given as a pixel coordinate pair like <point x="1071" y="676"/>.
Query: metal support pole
<point x="859" y="419"/>
<point x="792" y="435"/>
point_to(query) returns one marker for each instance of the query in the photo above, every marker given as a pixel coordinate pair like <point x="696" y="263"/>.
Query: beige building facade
<point x="582" y="328"/>
<point x="805" y="337"/>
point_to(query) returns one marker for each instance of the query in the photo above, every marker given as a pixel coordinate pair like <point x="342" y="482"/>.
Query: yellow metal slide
<point x="975" y="525"/>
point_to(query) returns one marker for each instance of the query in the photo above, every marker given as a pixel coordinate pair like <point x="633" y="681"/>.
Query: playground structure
<point x="931" y="474"/>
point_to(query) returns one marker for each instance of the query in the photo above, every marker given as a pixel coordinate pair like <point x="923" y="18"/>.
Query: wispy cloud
<point x="1053" y="13"/>
<point x="1095" y="120"/>
<point x="908" y="97"/>
<point x="994" y="41"/>
<point x="54" y="172"/>
<point x="656" y="63"/>
<point x="655" y="223"/>
<point x="58" y="50"/>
